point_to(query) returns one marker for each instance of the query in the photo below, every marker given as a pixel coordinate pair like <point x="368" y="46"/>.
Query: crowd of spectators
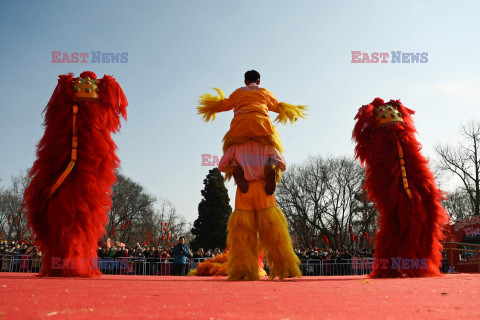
<point x="140" y="251"/>
<point x="28" y="256"/>
<point x="158" y="252"/>
<point x="7" y="250"/>
<point x="21" y="257"/>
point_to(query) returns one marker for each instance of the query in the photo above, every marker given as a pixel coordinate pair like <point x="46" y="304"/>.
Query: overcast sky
<point x="180" y="49"/>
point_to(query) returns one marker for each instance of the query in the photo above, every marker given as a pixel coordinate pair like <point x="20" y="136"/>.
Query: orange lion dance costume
<point x="217" y="266"/>
<point x="257" y="224"/>
<point x="399" y="181"/>
<point x="69" y="193"/>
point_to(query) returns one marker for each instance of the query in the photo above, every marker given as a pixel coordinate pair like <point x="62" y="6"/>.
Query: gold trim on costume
<point x="73" y="157"/>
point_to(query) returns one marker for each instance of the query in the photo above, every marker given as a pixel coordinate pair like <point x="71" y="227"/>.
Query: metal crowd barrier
<point x="116" y="266"/>
<point x="19" y="264"/>
<point x="462" y="257"/>
<point x="355" y="266"/>
<point x="164" y="266"/>
<point x="143" y="266"/>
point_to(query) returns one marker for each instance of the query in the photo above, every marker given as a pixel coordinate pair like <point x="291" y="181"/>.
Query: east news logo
<point x="392" y="57"/>
<point x="92" y="57"/>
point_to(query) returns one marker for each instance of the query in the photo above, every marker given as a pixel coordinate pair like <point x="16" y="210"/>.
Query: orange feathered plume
<point x="68" y="225"/>
<point x="217" y="266"/>
<point x="407" y="243"/>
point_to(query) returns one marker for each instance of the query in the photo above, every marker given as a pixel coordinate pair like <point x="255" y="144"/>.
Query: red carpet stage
<point x="24" y="296"/>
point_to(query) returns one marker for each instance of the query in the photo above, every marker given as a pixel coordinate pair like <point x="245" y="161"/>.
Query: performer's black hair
<point x="252" y="76"/>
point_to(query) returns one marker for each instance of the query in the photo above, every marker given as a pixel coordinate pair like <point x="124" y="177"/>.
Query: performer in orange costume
<point x="253" y="155"/>
<point x="251" y="123"/>
<point x="399" y="181"/>
<point x="68" y="196"/>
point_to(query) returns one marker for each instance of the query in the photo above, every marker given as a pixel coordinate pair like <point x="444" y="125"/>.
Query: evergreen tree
<point x="210" y="228"/>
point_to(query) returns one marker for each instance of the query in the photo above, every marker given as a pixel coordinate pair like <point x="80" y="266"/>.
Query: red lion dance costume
<point x="403" y="188"/>
<point x="69" y="193"/>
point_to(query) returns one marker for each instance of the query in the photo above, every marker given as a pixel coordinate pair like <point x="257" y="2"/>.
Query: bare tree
<point x="458" y="204"/>
<point x="324" y="197"/>
<point x="135" y="218"/>
<point x="301" y="196"/>
<point x="366" y="223"/>
<point x="13" y="223"/>
<point x="131" y="206"/>
<point x="166" y="225"/>
<point x="463" y="161"/>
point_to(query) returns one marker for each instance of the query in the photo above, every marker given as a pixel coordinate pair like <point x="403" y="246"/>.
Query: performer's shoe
<point x="270" y="177"/>
<point x="239" y="177"/>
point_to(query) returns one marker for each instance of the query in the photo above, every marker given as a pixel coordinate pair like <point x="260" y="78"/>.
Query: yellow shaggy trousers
<point x="258" y="225"/>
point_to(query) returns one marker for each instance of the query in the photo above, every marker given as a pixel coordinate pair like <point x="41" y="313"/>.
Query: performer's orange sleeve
<point x="226" y="104"/>
<point x="272" y="102"/>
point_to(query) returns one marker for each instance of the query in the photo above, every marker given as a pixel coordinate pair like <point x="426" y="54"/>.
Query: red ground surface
<point x="25" y="296"/>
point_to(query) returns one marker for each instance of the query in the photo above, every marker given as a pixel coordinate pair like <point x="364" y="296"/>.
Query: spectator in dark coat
<point x="180" y="254"/>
